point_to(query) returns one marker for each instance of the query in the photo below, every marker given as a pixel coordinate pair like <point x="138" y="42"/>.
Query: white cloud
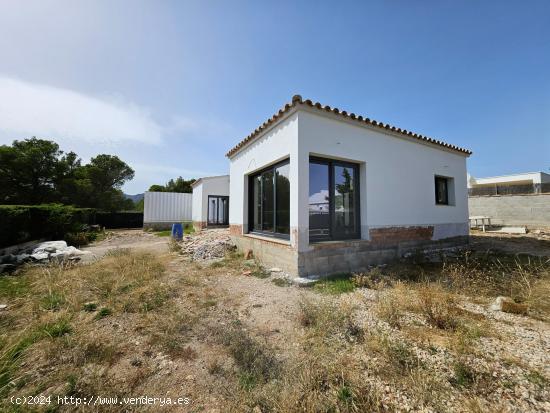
<point x="28" y="109"/>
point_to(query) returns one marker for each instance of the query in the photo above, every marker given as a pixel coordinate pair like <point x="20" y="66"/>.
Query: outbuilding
<point x="211" y="202"/>
<point x="318" y="190"/>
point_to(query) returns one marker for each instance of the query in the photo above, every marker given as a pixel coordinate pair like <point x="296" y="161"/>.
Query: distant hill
<point x="134" y="198"/>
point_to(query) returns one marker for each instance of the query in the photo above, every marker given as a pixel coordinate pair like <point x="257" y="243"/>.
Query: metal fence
<point x="510" y="190"/>
<point x="167" y="207"/>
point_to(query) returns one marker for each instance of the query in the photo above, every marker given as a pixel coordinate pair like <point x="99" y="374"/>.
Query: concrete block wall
<point x="269" y="253"/>
<point x="358" y="255"/>
<point x="532" y="211"/>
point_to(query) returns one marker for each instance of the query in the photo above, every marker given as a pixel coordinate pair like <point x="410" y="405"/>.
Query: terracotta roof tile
<point x="297" y="100"/>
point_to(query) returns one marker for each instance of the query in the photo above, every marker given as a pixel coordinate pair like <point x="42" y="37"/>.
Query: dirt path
<point x="135" y="239"/>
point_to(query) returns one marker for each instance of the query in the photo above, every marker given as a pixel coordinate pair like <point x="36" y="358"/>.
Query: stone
<point x="40" y="256"/>
<point x="247" y="273"/>
<point x="3" y="306"/>
<point x="275" y="269"/>
<point x="7" y="268"/>
<point x="508" y="305"/>
<point x="49" y="246"/>
<point x="21" y="258"/>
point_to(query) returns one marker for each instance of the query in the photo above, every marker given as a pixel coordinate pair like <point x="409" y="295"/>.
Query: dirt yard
<point x="143" y="319"/>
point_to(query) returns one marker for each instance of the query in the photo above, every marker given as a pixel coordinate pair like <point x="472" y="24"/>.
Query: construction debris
<point x="43" y="252"/>
<point x="207" y="244"/>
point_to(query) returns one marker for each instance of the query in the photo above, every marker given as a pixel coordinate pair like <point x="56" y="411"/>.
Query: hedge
<point x="21" y="223"/>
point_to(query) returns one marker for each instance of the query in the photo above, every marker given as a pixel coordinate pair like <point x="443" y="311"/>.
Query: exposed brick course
<point x="395" y="235"/>
<point x="199" y="225"/>
<point x="235" y="229"/>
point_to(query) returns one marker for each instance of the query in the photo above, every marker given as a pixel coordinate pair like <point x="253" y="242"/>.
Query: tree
<point x="28" y="170"/>
<point x="35" y="171"/>
<point x="106" y="174"/>
<point x="177" y="185"/>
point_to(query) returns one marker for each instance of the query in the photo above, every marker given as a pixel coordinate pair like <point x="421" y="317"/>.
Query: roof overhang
<point x="298" y="103"/>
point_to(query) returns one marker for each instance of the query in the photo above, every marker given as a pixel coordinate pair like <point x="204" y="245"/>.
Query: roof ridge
<point x="298" y="100"/>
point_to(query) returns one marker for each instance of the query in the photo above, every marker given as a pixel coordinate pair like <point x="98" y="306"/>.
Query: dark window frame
<point x="251" y="178"/>
<point x="438" y="178"/>
<point x="226" y="222"/>
<point x="331" y="163"/>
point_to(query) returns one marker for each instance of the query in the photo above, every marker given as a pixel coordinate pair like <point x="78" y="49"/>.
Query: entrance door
<point x="218" y="210"/>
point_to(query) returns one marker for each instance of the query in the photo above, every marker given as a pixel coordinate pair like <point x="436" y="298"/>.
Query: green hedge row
<point x="21" y="223"/>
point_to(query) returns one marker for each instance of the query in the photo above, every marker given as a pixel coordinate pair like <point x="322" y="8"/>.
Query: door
<point x="218" y="210"/>
<point x="333" y="200"/>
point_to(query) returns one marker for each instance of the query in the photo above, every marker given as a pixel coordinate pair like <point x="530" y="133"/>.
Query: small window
<point x="441" y="190"/>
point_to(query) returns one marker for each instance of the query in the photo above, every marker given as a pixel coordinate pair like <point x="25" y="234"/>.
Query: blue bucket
<point x="177" y="231"/>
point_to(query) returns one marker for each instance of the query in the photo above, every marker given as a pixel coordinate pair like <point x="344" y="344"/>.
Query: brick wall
<point x="395" y="235"/>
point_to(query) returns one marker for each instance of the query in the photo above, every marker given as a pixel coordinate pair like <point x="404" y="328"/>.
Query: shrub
<point x="438" y="307"/>
<point x="20" y="223"/>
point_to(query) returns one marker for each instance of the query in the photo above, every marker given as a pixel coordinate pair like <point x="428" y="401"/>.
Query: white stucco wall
<point x="396" y="174"/>
<point x="213" y="185"/>
<point x="277" y="144"/>
<point x="197" y="202"/>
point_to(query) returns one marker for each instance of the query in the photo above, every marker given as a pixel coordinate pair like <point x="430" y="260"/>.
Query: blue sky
<point x="170" y="86"/>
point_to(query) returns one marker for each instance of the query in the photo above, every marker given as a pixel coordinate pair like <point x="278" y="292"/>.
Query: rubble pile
<point x="207" y="245"/>
<point x="40" y="253"/>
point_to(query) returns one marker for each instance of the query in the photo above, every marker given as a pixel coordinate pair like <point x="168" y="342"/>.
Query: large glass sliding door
<point x="218" y="210"/>
<point x="269" y="196"/>
<point x="333" y="200"/>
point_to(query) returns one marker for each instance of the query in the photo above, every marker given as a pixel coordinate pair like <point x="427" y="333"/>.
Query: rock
<point x="275" y="269"/>
<point x="3" y="306"/>
<point x="49" y="246"/>
<point x="40" y="256"/>
<point x="508" y="305"/>
<point x="247" y="273"/>
<point x="21" y="258"/>
<point x="7" y="268"/>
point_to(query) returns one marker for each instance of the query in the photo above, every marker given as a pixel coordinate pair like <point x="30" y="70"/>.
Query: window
<point x="218" y="210"/>
<point x="269" y="200"/>
<point x="333" y="200"/>
<point x="444" y="190"/>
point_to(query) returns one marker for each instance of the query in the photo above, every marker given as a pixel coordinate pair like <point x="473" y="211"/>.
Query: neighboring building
<point x="316" y="190"/>
<point x="512" y="200"/>
<point x="162" y="209"/>
<point x="211" y="202"/>
<point x="523" y="183"/>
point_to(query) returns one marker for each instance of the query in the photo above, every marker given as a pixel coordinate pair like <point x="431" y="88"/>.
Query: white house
<point x="316" y="190"/>
<point x="210" y="202"/>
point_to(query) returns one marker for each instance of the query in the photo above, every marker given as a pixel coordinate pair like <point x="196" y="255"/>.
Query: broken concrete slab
<point x="49" y="246"/>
